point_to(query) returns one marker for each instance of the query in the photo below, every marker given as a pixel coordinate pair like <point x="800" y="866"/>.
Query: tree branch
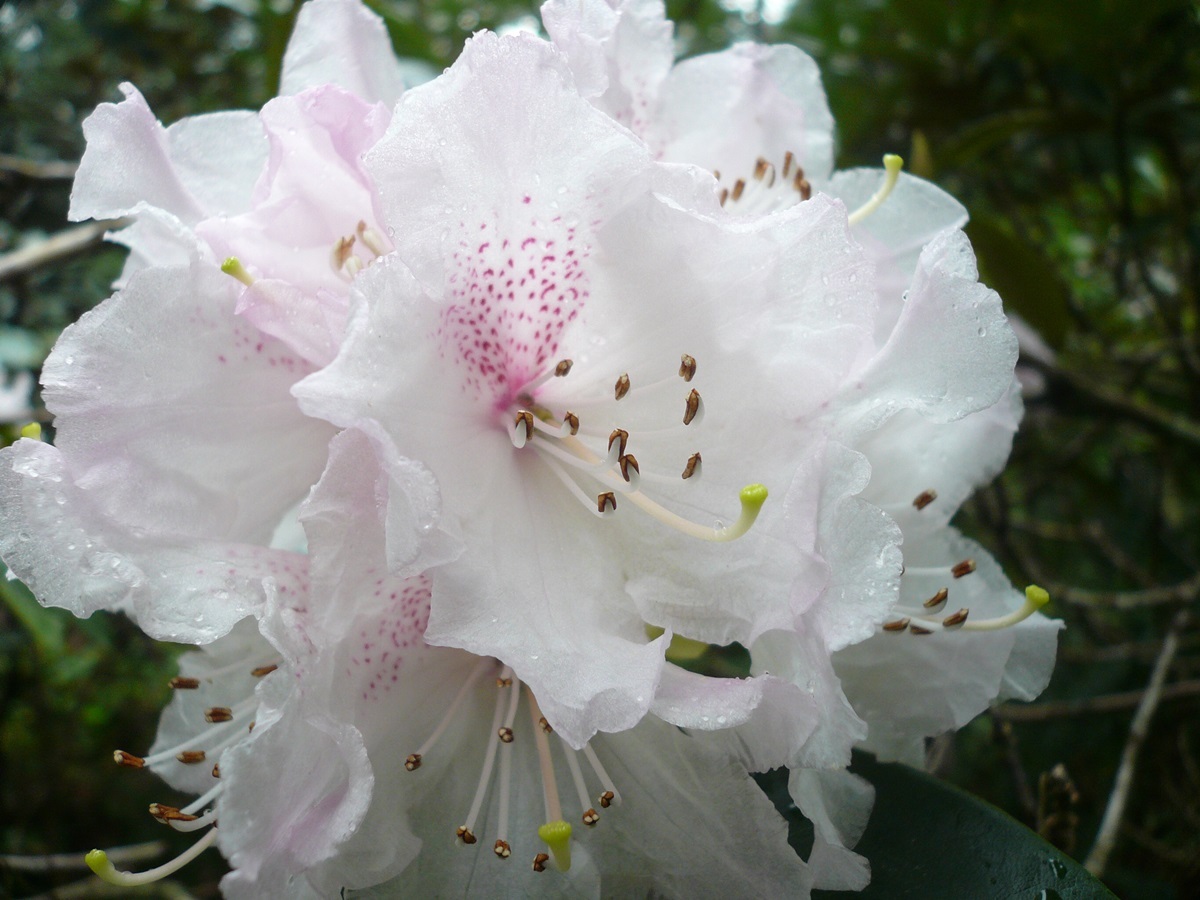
<point x="64" y="243"/>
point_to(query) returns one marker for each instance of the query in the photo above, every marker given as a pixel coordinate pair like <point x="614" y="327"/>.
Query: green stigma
<point x="753" y="496"/>
<point x="557" y="836"/>
<point x="233" y="266"/>
<point x="1038" y="596"/>
<point x="97" y="861"/>
<point x="33" y="431"/>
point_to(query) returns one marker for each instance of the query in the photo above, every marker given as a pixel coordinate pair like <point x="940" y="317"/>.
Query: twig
<point x="71" y="862"/>
<point x="1180" y="592"/>
<point x="1041" y="712"/>
<point x="35" y="168"/>
<point x="64" y="243"/>
<point x="1003" y="732"/>
<point x="1110" y="825"/>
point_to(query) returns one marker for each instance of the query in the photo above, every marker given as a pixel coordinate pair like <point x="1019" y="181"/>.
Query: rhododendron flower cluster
<point x="440" y="418"/>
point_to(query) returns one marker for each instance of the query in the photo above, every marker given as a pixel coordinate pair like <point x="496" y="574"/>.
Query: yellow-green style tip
<point x="753" y="496"/>
<point x="557" y="836"/>
<point x="1038" y="596"/>
<point x="97" y="861"/>
<point x="233" y="266"/>
<point x="33" y="431"/>
<point x="892" y="162"/>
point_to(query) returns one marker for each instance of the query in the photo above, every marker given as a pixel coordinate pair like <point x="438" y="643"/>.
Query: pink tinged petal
<point x="312" y="192"/>
<point x="724" y="110"/>
<point x="372" y="523"/>
<point x="76" y="556"/>
<point x="342" y="42"/>
<point x="128" y="161"/>
<point x="839" y="805"/>
<point x="620" y="54"/>
<point x="176" y="415"/>
<point x="951" y="353"/>
<point x="156" y="238"/>
<point x="529" y="158"/>
<point x="308" y="324"/>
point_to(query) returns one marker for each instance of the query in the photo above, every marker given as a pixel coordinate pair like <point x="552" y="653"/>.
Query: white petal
<point x="838" y="804"/>
<point x="342" y="42"/>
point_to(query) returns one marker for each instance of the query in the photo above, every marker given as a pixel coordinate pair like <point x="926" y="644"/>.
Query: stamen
<point x="262" y="671"/>
<point x="897" y="625"/>
<point x="762" y="169"/>
<point x="556" y="833"/>
<point x="466" y="831"/>
<point x="522" y="430"/>
<point x="590" y="816"/>
<point x="204" y="799"/>
<point x="924" y="498"/>
<point x="966" y="567"/>
<point x="99" y="863"/>
<point x="121" y="758"/>
<point x="563" y="367"/>
<point x="693" y="410"/>
<point x="343" y="249"/>
<point x="539" y="862"/>
<point x="937" y="601"/>
<point x="233" y="266"/>
<point x="610" y="795"/>
<point x="372" y="238"/>
<point x="738" y="187"/>
<point x="413" y="762"/>
<point x="501" y="847"/>
<point x="179" y="683"/>
<point x="687" y="367"/>
<point x="572" y="422"/>
<point x="629" y="468"/>
<point x="892" y="165"/>
<point x="618" y="434"/>
<point x="621" y="388"/>
<point x="788" y="159"/>
<point x="692" y="469"/>
<point x="545" y="725"/>
<point x="218" y="714"/>
<point x="164" y="814"/>
<point x="955" y="620"/>
<point x="190" y="757"/>
<point x="606" y="502"/>
<point x="216" y="770"/>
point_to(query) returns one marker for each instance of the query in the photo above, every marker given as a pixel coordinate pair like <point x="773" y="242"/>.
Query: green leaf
<point x="927" y="839"/>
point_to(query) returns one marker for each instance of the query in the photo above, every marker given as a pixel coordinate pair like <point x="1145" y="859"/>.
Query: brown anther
<point x="606" y="502"/>
<point x="121" y="758"/>
<point x="621" y="388"/>
<point x="190" y="757"/>
<point x="590" y="816"/>
<point x="545" y="725"/>
<point x="924" y="498"/>
<point x="687" y="367"/>
<point x="955" y="620"/>
<point x="691" y="407"/>
<point x="503" y="682"/>
<point x="502" y="850"/>
<point x="250" y="727"/>
<point x="506" y="735"/>
<point x="606" y="799"/>
<point x="966" y="567"/>
<point x="896" y="625"/>
<point x="342" y="250"/>
<point x="693" y="465"/>
<point x="563" y="367"/>
<point x="917" y="629"/>
<point x="788" y="159"/>
<point x="465" y="835"/>
<point x="800" y="183"/>
<point x="179" y="683"/>
<point x="619" y="434"/>
<point x="937" y="599"/>
<point x="629" y="462"/>
<point x="412" y="762"/>
<point x="539" y="862"/>
<point x="739" y="187"/>
<point x="216" y="772"/>
<point x="724" y="195"/>
<point x="263" y="670"/>
<point x="218" y="714"/>
<point x="525" y="418"/>
<point x="572" y="421"/>
<point x="760" y="168"/>
<point x="165" y="814"/>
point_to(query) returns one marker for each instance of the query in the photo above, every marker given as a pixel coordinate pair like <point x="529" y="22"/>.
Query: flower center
<point x="590" y="463"/>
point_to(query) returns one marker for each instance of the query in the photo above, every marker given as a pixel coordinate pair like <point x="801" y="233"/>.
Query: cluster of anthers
<point x="771" y="188"/>
<point x="556" y="832"/>
<point x="925" y="620"/>
<point x="561" y="440"/>
<point x="225" y="726"/>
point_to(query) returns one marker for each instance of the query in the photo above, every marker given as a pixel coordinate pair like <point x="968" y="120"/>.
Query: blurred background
<point x="1070" y="130"/>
